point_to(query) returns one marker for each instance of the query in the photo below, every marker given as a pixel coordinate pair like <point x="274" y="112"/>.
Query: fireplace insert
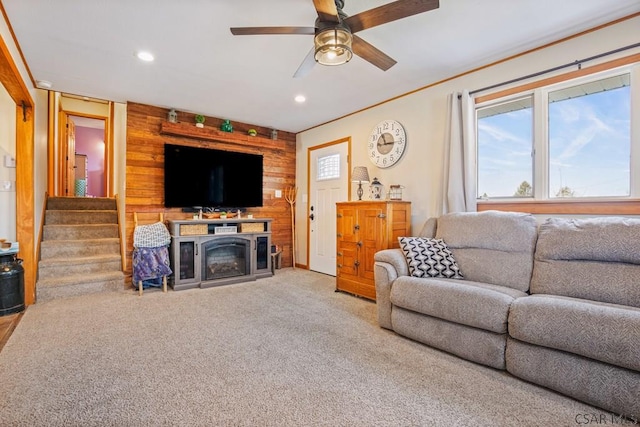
<point x="225" y="257"/>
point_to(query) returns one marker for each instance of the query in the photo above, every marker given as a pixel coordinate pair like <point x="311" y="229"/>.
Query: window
<point x="328" y="167"/>
<point x="569" y="140"/>
<point x="505" y="145"/>
<point x="590" y="139"/>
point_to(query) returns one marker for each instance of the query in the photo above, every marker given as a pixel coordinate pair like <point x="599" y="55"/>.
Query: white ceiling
<point x="86" y="47"/>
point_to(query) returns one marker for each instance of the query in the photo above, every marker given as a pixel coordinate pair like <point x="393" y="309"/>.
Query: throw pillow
<point x="428" y="257"/>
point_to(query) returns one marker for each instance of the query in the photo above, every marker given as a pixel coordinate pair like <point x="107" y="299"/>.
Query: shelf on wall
<point x="189" y="130"/>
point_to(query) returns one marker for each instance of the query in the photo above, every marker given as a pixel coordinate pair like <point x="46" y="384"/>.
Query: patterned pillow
<point x="428" y="257"/>
<point x="151" y="236"/>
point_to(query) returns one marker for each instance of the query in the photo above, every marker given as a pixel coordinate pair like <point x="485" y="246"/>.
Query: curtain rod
<point x="560" y="67"/>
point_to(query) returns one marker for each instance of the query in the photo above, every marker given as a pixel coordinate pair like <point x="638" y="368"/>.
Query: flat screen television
<point x="211" y="178"/>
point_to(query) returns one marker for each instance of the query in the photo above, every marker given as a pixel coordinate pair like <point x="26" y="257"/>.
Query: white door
<point x="328" y="184"/>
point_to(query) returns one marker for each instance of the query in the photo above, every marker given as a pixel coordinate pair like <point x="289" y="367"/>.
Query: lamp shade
<point x="333" y="46"/>
<point x="360" y="174"/>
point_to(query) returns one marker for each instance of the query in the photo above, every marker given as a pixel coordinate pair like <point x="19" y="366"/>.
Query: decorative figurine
<point x="376" y="189"/>
<point x="173" y="116"/>
<point x="226" y="126"/>
<point x="199" y="120"/>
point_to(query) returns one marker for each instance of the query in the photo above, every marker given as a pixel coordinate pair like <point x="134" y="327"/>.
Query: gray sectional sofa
<point x="555" y="303"/>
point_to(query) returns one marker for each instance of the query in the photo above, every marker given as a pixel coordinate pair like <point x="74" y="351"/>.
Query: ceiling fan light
<point x="333" y="46"/>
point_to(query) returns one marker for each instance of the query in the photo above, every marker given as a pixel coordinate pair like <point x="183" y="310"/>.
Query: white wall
<point x="40" y="167"/>
<point x="120" y="164"/>
<point x="423" y="116"/>
<point x="7" y="148"/>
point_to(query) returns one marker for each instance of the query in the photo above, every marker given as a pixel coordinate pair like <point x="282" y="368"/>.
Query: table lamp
<point x="360" y="174"/>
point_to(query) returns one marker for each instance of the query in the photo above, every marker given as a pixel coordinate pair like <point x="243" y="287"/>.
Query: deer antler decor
<point x="290" y="195"/>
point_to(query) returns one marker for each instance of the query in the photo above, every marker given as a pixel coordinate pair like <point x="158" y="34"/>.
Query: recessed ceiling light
<point x="144" y="56"/>
<point x="44" y="84"/>
<point x="300" y="99"/>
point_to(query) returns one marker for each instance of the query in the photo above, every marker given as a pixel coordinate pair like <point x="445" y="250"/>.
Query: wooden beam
<point x="25" y="222"/>
<point x="25" y="231"/>
<point x="11" y="80"/>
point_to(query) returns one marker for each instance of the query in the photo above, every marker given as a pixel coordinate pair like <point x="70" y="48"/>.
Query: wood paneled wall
<point x="148" y="131"/>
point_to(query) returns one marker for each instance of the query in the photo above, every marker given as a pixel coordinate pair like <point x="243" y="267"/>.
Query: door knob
<point x="311" y="217"/>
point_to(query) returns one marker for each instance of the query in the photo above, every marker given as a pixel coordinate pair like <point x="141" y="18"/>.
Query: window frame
<point x="541" y="202"/>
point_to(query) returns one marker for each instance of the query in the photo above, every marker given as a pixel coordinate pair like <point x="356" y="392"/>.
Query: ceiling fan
<point x="335" y="41"/>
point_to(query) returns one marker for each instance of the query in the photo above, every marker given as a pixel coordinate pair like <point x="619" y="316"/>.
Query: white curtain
<point x="459" y="191"/>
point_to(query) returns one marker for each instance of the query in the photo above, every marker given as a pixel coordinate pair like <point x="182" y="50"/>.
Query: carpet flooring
<point x="282" y="351"/>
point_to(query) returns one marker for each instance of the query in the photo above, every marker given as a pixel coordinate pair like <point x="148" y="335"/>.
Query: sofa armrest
<point x="396" y="258"/>
<point x="389" y="265"/>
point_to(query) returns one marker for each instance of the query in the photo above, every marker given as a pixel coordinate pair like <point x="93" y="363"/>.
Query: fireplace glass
<point x="225" y="257"/>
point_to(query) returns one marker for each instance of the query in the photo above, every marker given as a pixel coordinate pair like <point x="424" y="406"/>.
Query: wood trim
<point x="565" y="207"/>
<point x="11" y="80"/>
<point x="25" y="231"/>
<point x="188" y="130"/>
<point x="59" y="159"/>
<point x="109" y="141"/>
<point x="25" y="183"/>
<point x="8" y="324"/>
<point x="43" y="213"/>
<point x="561" y="78"/>
<point x="51" y="141"/>
<point x="121" y="237"/>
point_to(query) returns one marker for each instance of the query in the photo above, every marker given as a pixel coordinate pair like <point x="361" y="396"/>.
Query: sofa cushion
<point x="595" y="258"/>
<point x="606" y="332"/>
<point x="469" y="343"/>
<point x="491" y="247"/>
<point x="429" y="258"/>
<point x="604" y="385"/>
<point x="474" y="304"/>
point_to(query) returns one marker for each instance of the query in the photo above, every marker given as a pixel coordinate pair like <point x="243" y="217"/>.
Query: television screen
<point x="210" y="178"/>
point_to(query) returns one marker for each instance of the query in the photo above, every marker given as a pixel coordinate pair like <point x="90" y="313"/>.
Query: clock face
<point x="386" y="143"/>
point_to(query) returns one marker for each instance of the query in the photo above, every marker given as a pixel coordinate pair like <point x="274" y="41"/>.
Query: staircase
<point x="80" y="248"/>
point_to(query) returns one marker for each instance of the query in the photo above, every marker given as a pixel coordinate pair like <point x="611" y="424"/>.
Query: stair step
<point x="81" y="217"/>
<point x="78" y="248"/>
<point x="81" y="203"/>
<point x="77" y="232"/>
<point x="82" y="284"/>
<point x="60" y="267"/>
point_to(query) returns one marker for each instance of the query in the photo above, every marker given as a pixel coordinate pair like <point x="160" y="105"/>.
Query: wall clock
<point x="386" y="144"/>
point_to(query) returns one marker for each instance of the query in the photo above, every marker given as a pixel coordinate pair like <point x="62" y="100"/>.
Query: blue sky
<point x="589" y="147"/>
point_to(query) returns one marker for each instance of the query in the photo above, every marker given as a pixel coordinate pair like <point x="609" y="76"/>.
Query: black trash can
<point x="11" y="285"/>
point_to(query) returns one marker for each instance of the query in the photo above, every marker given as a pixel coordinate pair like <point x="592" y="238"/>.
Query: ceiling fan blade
<point x="388" y="13"/>
<point x="252" y="31"/>
<point x="327" y="10"/>
<point x="307" y="64"/>
<point x="372" y="54"/>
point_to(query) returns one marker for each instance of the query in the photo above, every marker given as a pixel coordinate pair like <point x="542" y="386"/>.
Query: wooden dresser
<point x="363" y="228"/>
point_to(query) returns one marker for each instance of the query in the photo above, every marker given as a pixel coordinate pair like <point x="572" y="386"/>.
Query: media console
<point x="214" y="252"/>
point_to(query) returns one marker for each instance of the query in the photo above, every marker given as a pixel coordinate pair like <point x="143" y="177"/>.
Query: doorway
<point x="83" y="155"/>
<point x="328" y="183"/>
<point x="89" y="176"/>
